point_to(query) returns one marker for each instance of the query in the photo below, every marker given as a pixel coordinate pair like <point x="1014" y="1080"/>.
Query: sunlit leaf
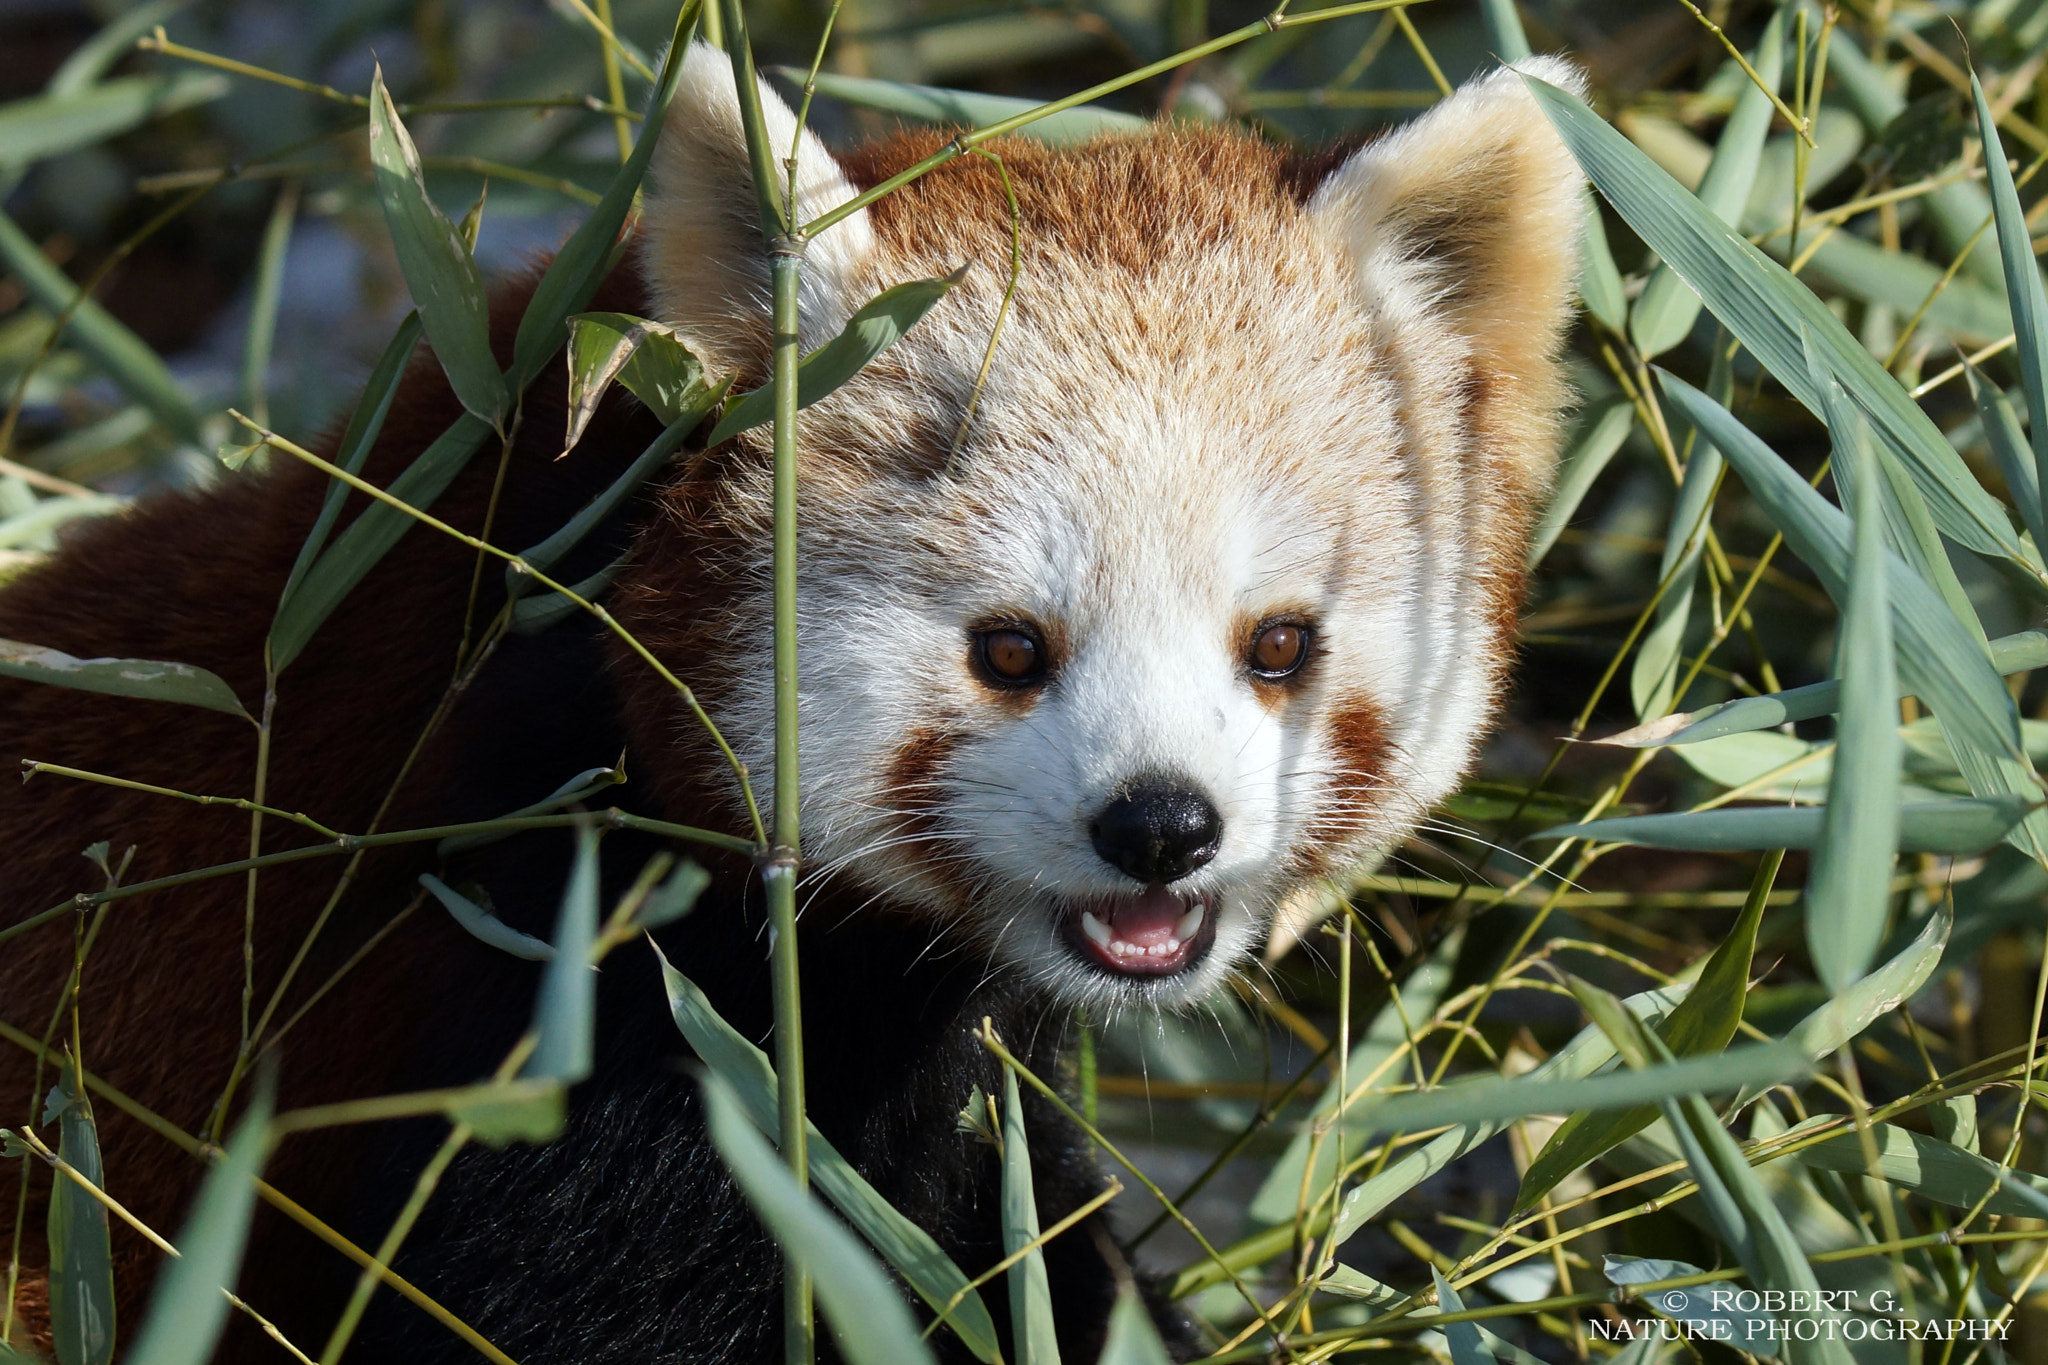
<point x="2008" y="447"/>
<point x="2023" y="290"/>
<point x="868" y="333"/>
<point x="1932" y="1169"/>
<point x="438" y="269"/>
<point x="866" y="1315"/>
<point x="967" y="108"/>
<point x="1466" y="1346"/>
<point x="144" y="678"/>
<point x="1964" y="825"/>
<point x="647" y="357"/>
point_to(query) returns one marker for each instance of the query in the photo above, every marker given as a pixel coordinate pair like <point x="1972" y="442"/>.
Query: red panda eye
<point x="1279" y="651"/>
<point x="1009" y="656"/>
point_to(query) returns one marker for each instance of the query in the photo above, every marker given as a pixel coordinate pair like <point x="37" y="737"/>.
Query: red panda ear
<point x="1472" y="211"/>
<point x="705" y="258"/>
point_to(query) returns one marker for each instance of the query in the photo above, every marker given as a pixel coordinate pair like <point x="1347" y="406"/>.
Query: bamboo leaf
<point x="868" y="333"/>
<point x="968" y="109"/>
<point x="1932" y="1169"/>
<point x="1703" y="1023"/>
<point x="1603" y="426"/>
<point x="187" y="1308"/>
<point x="1033" y="1339"/>
<point x="1466" y="1346"/>
<point x="1665" y="311"/>
<point x="438" y="269"/>
<point x="594" y="248"/>
<point x="1765" y="307"/>
<point x="581" y="787"/>
<point x="81" y="1253"/>
<point x="2023" y="291"/>
<point x="148" y="679"/>
<point x="1697" y="1310"/>
<point x="1820" y="1033"/>
<point x="360" y="548"/>
<point x="903" y="1244"/>
<point x="867" y="1316"/>
<point x="565" y="1016"/>
<point x="51" y="124"/>
<point x="674" y="898"/>
<point x="1941" y="660"/>
<point x="484" y="925"/>
<point x="1132" y="1339"/>
<point x="358" y="439"/>
<point x="1964" y="825"/>
<point x="1848" y="890"/>
<point x="645" y="356"/>
<point x="125" y="357"/>
<point x="2017" y="653"/>
<point x="94" y="57"/>
<point x="2009" y="447"/>
<point x="533" y="1111"/>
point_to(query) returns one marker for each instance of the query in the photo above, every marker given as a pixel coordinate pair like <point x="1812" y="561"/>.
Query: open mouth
<point x="1154" y="932"/>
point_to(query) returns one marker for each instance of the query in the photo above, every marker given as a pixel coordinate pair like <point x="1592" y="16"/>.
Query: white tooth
<point x="1188" y="925"/>
<point x="1095" y="929"/>
<point x="1166" y="949"/>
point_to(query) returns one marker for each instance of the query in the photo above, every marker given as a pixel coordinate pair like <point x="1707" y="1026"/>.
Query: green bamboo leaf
<point x="548" y="553"/>
<point x="360" y="548"/>
<point x="48" y="125"/>
<point x="1033" y="1339"/>
<point x="148" y="679"/>
<point x="1964" y="825"/>
<point x="503" y="1112"/>
<point x="94" y="57"/>
<point x="81" y="1254"/>
<point x="674" y="898"/>
<point x="125" y="357"/>
<point x="868" y="1318"/>
<point x="1603" y="426"/>
<point x="1467" y="1348"/>
<point x="966" y="108"/>
<point x="439" y="271"/>
<point x="1765" y="307"/>
<point x="1933" y="1169"/>
<point x="535" y="615"/>
<point x="1942" y="661"/>
<point x="482" y="924"/>
<point x="261" y="330"/>
<point x="565" y="1016"/>
<point x="1586" y="1053"/>
<point x="1739" y="1209"/>
<point x="2009" y="447"/>
<point x="1704" y="1022"/>
<point x="358" y="439"/>
<point x="1664" y="313"/>
<point x="869" y="332"/>
<point x="1132" y="1339"/>
<point x="647" y="357"/>
<point x="1820" y="1033"/>
<point x="187" y="1309"/>
<point x="595" y="247"/>
<point x="1695" y="1309"/>
<point x="2020" y="652"/>
<point x="1848" y="890"/>
<point x="1654" y="676"/>
<point x="1497" y="1100"/>
<point x="903" y="1244"/>
<point x="2024" y="294"/>
<point x="581" y="787"/>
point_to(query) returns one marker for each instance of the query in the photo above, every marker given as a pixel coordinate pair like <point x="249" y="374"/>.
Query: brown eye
<point x="1279" y="650"/>
<point x="1009" y="656"/>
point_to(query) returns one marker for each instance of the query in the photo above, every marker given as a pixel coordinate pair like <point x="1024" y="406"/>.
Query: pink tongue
<point x="1147" y="918"/>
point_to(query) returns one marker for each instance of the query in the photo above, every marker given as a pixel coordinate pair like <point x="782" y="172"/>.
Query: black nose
<point x="1157" y="831"/>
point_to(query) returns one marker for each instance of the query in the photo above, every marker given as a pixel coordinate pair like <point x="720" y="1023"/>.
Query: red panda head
<point x="1209" y="599"/>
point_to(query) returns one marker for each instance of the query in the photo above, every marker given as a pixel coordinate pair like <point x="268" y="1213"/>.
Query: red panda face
<point x="1208" y="600"/>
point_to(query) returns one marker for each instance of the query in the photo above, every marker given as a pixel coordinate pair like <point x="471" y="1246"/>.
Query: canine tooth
<point x="1188" y="925"/>
<point x="1096" y="930"/>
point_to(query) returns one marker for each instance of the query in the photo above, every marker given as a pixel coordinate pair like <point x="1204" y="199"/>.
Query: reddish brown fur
<point x="1357" y="742"/>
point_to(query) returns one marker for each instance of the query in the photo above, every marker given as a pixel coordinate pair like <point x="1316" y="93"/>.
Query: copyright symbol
<point x="1676" y="1302"/>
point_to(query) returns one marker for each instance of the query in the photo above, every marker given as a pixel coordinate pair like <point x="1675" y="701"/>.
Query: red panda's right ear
<point x="705" y="257"/>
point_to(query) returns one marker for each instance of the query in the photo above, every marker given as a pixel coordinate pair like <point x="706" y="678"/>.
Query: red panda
<point x="1205" y="600"/>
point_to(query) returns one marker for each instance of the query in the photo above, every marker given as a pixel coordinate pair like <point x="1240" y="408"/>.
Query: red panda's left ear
<point x="1471" y="211"/>
<point x="705" y="258"/>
